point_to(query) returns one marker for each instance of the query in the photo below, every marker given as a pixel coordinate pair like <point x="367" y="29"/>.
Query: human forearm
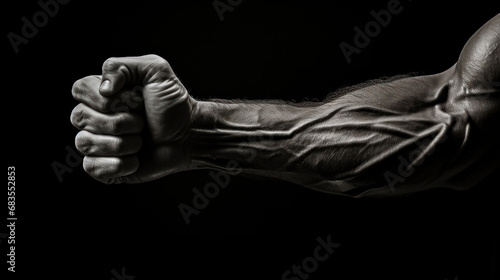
<point x="264" y="138"/>
<point x="334" y="146"/>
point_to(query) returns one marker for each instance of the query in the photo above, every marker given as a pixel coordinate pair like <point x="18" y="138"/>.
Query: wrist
<point x="202" y="118"/>
<point x="221" y="133"/>
<point x="202" y="114"/>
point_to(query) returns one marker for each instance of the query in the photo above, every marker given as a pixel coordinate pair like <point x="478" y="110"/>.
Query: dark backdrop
<point x="254" y="229"/>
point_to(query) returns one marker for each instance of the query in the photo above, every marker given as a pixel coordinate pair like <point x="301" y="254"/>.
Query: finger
<point x="86" y="118"/>
<point x="86" y="90"/>
<point x="119" y="71"/>
<point x="105" y="168"/>
<point x="107" y="145"/>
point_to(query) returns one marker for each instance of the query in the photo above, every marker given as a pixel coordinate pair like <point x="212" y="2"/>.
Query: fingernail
<point x="106" y="85"/>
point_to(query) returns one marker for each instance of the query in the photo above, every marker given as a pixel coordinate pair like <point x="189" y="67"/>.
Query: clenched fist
<point x="144" y="142"/>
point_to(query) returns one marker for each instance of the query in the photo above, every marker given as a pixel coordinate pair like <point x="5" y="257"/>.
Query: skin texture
<point x="386" y="139"/>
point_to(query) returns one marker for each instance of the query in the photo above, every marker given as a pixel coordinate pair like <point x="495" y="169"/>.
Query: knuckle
<point x="94" y="169"/>
<point x="117" y="124"/>
<point x="110" y="64"/>
<point x="117" y="165"/>
<point x="75" y="89"/>
<point x="77" y="116"/>
<point x="155" y="58"/>
<point x="83" y="142"/>
<point x="81" y="86"/>
<point x="89" y="165"/>
<point x="165" y="68"/>
<point x="158" y="63"/>
<point x="117" y="145"/>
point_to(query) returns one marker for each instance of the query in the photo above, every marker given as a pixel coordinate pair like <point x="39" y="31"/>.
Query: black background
<point x="254" y="229"/>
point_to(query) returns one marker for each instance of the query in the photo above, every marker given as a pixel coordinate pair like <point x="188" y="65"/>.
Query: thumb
<point x="114" y="75"/>
<point x="132" y="70"/>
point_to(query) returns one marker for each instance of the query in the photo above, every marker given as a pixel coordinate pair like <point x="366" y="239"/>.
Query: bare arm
<point x="349" y="146"/>
<point x="386" y="139"/>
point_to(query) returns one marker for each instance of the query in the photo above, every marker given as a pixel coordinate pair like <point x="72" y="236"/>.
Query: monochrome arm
<point x="385" y="139"/>
<point x="352" y="145"/>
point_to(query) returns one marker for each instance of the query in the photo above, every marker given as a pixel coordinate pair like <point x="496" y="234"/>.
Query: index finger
<point x="86" y="91"/>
